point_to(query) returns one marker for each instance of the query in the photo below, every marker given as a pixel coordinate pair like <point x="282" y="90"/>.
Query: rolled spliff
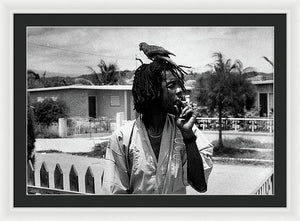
<point x="198" y="110"/>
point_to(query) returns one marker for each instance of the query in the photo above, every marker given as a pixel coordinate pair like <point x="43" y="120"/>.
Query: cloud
<point x="71" y="49"/>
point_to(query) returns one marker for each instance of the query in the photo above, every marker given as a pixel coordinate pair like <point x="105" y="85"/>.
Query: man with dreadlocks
<point x="162" y="151"/>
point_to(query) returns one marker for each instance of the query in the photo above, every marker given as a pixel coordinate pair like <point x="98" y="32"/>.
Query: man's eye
<point x="171" y="85"/>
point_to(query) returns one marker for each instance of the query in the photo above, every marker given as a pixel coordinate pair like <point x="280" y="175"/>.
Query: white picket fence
<point x="237" y="124"/>
<point x="58" y="180"/>
<point x="266" y="187"/>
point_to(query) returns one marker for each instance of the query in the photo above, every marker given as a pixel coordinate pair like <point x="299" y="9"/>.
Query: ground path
<point x="69" y="144"/>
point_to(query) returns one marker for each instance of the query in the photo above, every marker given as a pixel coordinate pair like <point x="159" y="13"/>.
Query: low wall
<point x="261" y="137"/>
<point x="43" y="130"/>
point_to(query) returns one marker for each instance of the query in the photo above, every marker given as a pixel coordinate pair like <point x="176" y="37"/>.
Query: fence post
<point x="44" y="175"/>
<point x="119" y="119"/>
<point x="58" y="177"/>
<point x="62" y="127"/>
<point x="252" y="125"/>
<point x="235" y="125"/>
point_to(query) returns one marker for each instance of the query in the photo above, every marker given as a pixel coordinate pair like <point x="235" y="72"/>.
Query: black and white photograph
<point x="92" y="90"/>
<point x="160" y="110"/>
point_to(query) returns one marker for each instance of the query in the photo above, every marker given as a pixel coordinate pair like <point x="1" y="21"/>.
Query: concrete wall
<point x="76" y="100"/>
<point x="264" y="88"/>
<point x="104" y="107"/>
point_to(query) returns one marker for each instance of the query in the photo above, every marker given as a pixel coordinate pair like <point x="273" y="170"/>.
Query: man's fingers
<point x="187" y="113"/>
<point x="186" y="123"/>
<point x="183" y="111"/>
<point x="192" y="119"/>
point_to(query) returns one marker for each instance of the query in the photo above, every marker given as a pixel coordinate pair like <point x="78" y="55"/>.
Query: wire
<point x="78" y="52"/>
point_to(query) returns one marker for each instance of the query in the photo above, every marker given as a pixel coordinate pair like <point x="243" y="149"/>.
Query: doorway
<point x="92" y="106"/>
<point x="263" y="103"/>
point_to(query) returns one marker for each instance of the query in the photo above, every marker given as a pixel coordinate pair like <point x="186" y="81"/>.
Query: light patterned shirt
<point x="133" y="168"/>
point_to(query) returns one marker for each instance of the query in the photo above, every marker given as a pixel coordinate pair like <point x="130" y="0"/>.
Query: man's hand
<point x="195" y="171"/>
<point x="185" y="122"/>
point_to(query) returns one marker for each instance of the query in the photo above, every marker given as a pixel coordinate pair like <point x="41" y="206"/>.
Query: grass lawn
<point x="242" y="149"/>
<point x="241" y="143"/>
<point x="232" y="152"/>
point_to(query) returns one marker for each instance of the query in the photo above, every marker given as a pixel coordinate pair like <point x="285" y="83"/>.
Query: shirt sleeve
<point x="206" y="151"/>
<point x="116" y="176"/>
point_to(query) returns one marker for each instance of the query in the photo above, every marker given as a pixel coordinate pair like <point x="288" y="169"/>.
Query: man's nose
<point x="178" y="91"/>
<point x="179" y="94"/>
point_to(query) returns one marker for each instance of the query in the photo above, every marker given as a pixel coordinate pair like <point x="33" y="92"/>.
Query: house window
<point x="40" y="99"/>
<point x="114" y="100"/>
<point x="54" y="98"/>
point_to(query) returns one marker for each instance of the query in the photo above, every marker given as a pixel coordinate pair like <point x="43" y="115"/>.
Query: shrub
<point x="30" y="135"/>
<point x="48" y="111"/>
<point x="100" y="149"/>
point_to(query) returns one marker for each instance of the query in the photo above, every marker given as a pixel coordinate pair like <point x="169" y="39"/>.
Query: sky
<point x="69" y="50"/>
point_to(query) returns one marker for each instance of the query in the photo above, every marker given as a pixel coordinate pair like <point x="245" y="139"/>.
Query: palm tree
<point x="269" y="61"/>
<point x="83" y="81"/>
<point x="34" y="80"/>
<point x="226" y="89"/>
<point x="108" y="73"/>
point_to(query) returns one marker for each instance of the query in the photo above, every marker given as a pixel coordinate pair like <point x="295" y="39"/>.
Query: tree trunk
<point x="220" y="145"/>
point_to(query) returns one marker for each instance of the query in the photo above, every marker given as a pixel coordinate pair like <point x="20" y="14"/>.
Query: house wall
<point x="131" y="113"/>
<point x="267" y="89"/>
<point x="263" y="88"/>
<point x="104" y="107"/>
<point x="76" y="100"/>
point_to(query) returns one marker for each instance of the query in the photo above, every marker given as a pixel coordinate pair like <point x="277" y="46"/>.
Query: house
<point x="264" y="97"/>
<point x="90" y="101"/>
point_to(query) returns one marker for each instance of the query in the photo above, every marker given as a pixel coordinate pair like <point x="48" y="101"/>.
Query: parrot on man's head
<point x="153" y="51"/>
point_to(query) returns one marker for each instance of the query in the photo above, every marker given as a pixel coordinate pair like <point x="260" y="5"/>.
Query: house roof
<point x="89" y="87"/>
<point x="84" y="87"/>
<point x="263" y="82"/>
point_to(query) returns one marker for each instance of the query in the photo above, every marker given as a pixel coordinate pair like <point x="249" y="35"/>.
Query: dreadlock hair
<point x="147" y="83"/>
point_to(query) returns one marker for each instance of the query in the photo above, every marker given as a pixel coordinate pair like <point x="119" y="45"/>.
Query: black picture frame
<point x="21" y="21"/>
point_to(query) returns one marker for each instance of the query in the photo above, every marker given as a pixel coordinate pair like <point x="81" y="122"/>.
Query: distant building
<point x="90" y="100"/>
<point x="264" y="97"/>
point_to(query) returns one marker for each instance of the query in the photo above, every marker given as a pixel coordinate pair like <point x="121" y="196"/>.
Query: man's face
<point x="170" y="91"/>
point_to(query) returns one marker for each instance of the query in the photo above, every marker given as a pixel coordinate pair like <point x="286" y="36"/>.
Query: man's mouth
<point x="178" y="106"/>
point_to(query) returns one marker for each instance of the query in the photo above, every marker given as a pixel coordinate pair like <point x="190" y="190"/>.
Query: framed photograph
<point x="73" y="77"/>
